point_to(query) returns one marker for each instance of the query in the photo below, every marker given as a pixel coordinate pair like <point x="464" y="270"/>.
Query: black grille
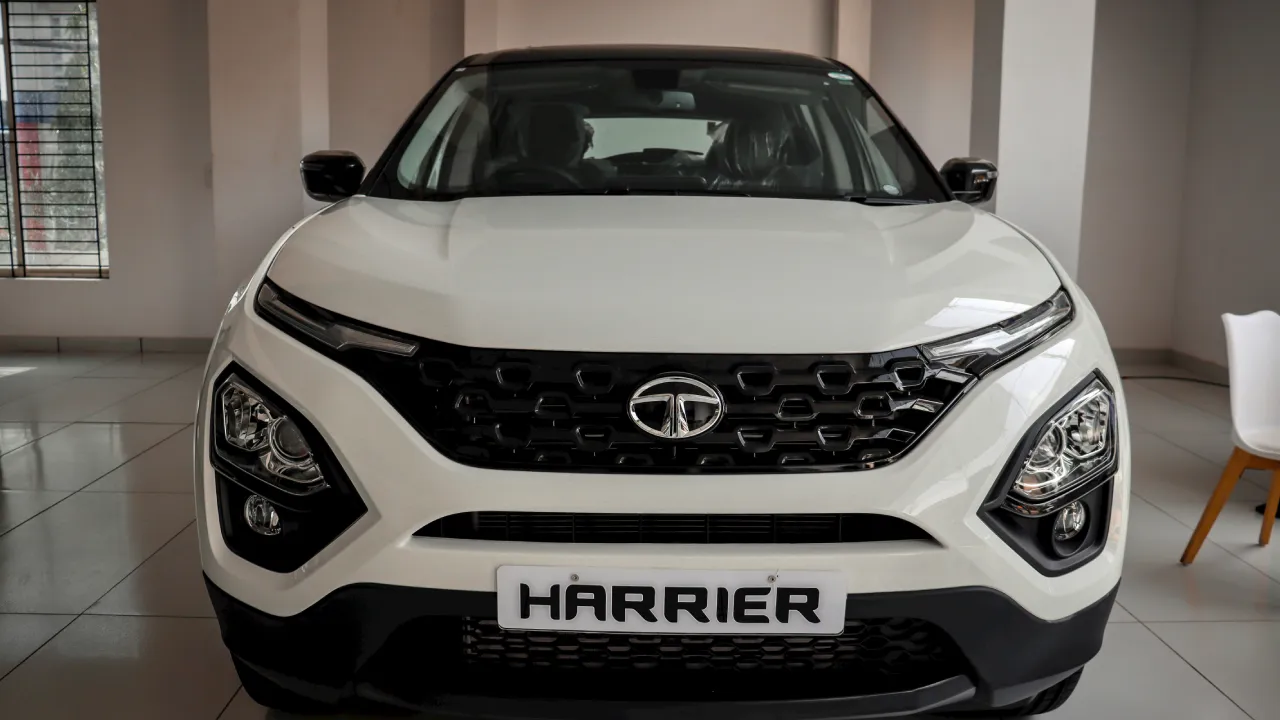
<point x="474" y="656"/>
<point x="567" y="411"/>
<point x="886" y="646"/>
<point x="691" y="529"/>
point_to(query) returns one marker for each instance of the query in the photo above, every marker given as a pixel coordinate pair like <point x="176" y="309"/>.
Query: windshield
<point x="655" y="127"/>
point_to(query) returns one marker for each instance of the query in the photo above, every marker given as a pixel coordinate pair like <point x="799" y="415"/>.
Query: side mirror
<point x="971" y="180"/>
<point x="331" y="175"/>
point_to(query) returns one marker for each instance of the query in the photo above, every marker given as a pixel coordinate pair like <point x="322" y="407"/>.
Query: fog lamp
<point x="261" y="516"/>
<point x="1070" y="521"/>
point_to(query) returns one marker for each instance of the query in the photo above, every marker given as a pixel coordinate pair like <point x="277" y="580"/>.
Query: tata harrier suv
<point x="659" y="382"/>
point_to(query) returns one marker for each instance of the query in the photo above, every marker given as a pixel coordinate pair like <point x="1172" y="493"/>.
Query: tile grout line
<point x="1180" y="401"/>
<point x="148" y="449"/>
<point x="152" y="386"/>
<point x="190" y="421"/>
<point x="183" y="423"/>
<point x="164" y="378"/>
<point x="1273" y="621"/>
<point x="145" y="560"/>
<point x="73" y="493"/>
<point x="234" y="693"/>
<point x="82" y="612"/>
<point x="1212" y="461"/>
<point x="61" y="426"/>
<point x="1189" y="664"/>
<point x="60" y="379"/>
<point x="1196" y="408"/>
<point x="67" y="378"/>
<point x="31" y="654"/>
<point x="1207" y="539"/>
<point x="137" y="615"/>
<point x="126" y="398"/>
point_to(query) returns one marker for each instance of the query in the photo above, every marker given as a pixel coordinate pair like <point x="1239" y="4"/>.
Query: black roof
<point x="651" y="52"/>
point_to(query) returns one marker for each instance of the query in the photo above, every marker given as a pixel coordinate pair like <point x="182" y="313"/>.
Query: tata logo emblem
<point x="676" y="407"/>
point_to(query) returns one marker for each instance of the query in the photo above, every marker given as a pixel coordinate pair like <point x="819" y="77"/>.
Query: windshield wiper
<point x="865" y="199"/>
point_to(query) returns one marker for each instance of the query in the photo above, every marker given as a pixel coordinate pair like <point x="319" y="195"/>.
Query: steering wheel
<point x="537" y="176"/>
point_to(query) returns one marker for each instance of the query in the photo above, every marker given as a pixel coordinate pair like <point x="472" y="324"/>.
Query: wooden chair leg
<point x="1273" y="501"/>
<point x="1235" y="468"/>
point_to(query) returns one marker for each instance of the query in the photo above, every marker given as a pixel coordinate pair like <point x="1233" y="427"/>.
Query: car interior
<point x="524" y="134"/>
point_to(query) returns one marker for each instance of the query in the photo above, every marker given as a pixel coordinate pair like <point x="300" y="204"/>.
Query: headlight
<point x="1052" y="501"/>
<point x="282" y="494"/>
<point x="272" y="446"/>
<point x="1075" y="447"/>
<point x="981" y="350"/>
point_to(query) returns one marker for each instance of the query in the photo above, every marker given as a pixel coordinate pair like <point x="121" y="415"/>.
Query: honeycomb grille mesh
<point x="886" y="646"/>
<point x="566" y="411"/>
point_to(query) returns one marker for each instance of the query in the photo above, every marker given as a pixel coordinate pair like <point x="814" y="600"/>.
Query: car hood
<point x="665" y="273"/>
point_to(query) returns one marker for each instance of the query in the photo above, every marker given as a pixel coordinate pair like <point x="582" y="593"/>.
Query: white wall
<point x="277" y="77"/>
<point x="1045" y="89"/>
<point x="155" y="116"/>
<point x="1135" y="167"/>
<point x="922" y="65"/>
<point x="1230" y="259"/>
<point x="801" y="25"/>
<point x="256" y="99"/>
<point x="988" y="58"/>
<point x="851" y="34"/>
<point x="384" y="55"/>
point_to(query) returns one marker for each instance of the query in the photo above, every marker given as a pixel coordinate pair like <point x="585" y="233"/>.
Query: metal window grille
<point x="52" y="219"/>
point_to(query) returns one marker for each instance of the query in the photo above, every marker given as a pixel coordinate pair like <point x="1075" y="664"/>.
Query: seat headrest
<point x="553" y="134"/>
<point x="749" y="148"/>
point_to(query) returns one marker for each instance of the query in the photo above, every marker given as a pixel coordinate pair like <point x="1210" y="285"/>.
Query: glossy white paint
<point x="665" y="274"/>
<point x="406" y="484"/>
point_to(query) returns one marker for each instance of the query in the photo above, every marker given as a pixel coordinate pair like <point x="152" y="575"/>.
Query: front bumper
<point x="398" y="647"/>
<point x="406" y="484"/>
<point x="332" y="626"/>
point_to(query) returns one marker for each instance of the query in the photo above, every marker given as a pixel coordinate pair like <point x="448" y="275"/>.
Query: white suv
<point x="660" y="382"/>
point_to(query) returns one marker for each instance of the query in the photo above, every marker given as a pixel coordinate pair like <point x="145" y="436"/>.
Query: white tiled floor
<point x="103" y="612"/>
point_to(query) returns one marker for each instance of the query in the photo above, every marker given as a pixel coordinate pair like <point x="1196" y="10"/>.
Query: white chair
<point x="1253" y="361"/>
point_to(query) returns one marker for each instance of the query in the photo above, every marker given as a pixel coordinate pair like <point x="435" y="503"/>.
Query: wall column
<point x="1045" y="89"/>
<point x="258" y="90"/>
<point x="851" y="34"/>
<point x="480" y="26"/>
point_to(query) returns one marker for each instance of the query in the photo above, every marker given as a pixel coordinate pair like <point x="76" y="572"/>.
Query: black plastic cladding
<point x="880" y="647"/>
<point x="566" y="411"/>
<point x="309" y="522"/>
<point x="1029" y="537"/>
<point x="671" y="528"/>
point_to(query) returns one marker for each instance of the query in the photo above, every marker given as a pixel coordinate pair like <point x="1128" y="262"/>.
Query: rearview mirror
<point x="331" y="175"/>
<point x="971" y="180"/>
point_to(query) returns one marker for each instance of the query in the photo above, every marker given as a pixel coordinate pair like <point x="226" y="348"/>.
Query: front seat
<point x="759" y="151"/>
<point x="553" y="136"/>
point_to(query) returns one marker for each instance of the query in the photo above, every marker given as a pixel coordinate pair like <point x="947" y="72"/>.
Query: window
<point x="656" y="127"/>
<point x="52" y="219"/>
<point x="617" y="136"/>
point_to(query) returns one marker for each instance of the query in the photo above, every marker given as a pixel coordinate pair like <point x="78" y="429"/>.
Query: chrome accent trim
<point x="675" y="421"/>
<point x="336" y="335"/>
<point x="1103" y="471"/>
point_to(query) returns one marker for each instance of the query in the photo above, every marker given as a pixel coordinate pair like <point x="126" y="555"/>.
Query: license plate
<point x="678" y="602"/>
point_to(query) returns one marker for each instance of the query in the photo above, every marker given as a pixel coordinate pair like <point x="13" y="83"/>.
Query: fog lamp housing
<point x="261" y="516"/>
<point x="1052" y="502"/>
<point x="282" y="494"/>
<point x="1069" y="521"/>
